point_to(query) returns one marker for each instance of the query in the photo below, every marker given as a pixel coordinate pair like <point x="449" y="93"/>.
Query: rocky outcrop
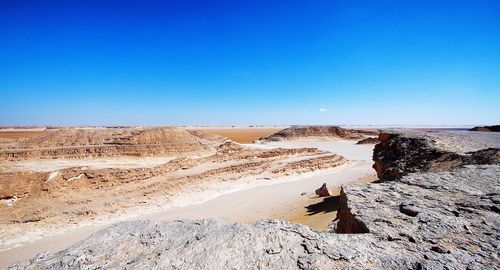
<point x="407" y="151"/>
<point x="323" y="191"/>
<point x="208" y="136"/>
<point x="495" y="128"/>
<point x="301" y="132"/>
<point x="369" y="140"/>
<point x="208" y="244"/>
<point x="438" y="219"/>
<point x="228" y="147"/>
<point x="79" y="143"/>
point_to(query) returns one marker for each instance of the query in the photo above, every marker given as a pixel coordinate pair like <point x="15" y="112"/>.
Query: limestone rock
<point x="323" y="191"/>
<point x="79" y="143"/>
<point x="405" y="151"/>
<point x="444" y="220"/>
<point x="301" y="132"/>
<point x="207" y="244"/>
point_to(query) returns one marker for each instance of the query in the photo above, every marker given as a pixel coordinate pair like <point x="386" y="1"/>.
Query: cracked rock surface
<point x="411" y="151"/>
<point x="446" y="220"/>
<point x="208" y="244"/>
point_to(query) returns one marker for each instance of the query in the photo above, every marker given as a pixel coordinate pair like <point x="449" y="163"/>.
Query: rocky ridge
<point x="405" y="151"/>
<point x="308" y="132"/>
<point x="495" y="128"/>
<point x="96" y="142"/>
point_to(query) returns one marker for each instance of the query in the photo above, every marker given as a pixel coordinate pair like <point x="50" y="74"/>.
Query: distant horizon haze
<point x="104" y="63"/>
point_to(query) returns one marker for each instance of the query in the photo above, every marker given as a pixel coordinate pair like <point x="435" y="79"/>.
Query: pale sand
<point x="241" y="201"/>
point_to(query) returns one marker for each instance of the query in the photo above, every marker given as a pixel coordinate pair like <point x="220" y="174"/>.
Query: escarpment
<point x="495" y="128"/>
<point x="408" y="151"/>
<point x="308" y="132"/>
<point x="443" y="208"/>
<point x="84" y="143"/>
<point x="437" y="219"/>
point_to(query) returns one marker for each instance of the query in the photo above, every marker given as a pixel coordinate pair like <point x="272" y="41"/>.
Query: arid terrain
<point x="61" y="184"/>
<point x="239" y="134"/>
<point x="434" y="205"/>
<point x="245" y="135"/>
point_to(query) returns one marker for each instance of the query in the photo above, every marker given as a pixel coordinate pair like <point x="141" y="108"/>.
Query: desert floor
<point x="17" y="133"/>
<point x="240" y="134"/>
<point x="290" y="197"/>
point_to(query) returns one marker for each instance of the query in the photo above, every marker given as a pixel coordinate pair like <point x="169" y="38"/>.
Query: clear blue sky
<point x="249" y="62"/>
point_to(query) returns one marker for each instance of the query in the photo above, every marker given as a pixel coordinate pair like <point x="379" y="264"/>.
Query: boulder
<point x="323" y="191"/>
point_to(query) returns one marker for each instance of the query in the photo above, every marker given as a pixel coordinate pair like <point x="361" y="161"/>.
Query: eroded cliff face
<point x="442" y="219"/>
<point x="84" y="143"/>
<point x="404" y="151"/>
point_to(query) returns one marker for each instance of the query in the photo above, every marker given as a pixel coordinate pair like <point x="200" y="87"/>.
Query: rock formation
<point x="322" y="191"/>
<point x="208" y="244"/>
<point x="495" y="128"/>
<point x="79" y="143"/>
<point x="405" y="151"/>
<point x="437" y="219"/>
<point x="301" y="132"/>
<point x="369" y="140"/>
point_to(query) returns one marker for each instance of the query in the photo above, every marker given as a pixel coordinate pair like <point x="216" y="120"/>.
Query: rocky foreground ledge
<point x="422" y="220"/>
